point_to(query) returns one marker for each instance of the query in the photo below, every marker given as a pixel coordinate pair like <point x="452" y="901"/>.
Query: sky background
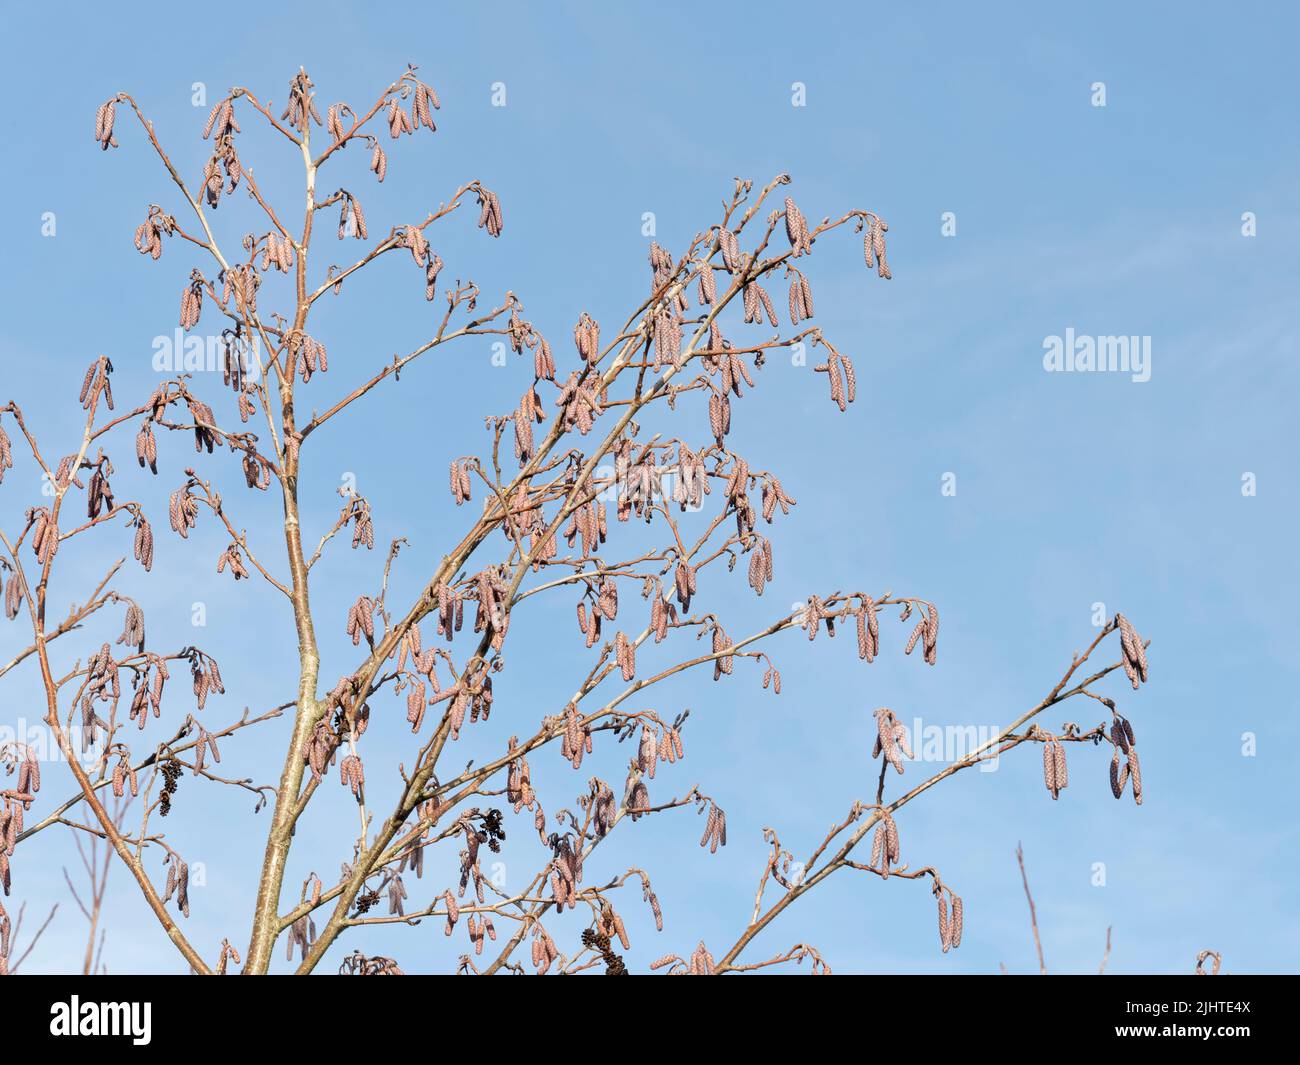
<point x="1072" y="489"/>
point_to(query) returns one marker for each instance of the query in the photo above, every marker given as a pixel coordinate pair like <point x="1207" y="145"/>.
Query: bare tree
<point x="571" y="464"/>
<point x="96" y="863"/>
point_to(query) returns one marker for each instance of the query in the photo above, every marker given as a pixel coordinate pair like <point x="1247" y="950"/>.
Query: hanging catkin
<point x="796" y="229"/>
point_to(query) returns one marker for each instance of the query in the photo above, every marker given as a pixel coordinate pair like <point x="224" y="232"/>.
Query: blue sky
<point x="1072" y="489"/>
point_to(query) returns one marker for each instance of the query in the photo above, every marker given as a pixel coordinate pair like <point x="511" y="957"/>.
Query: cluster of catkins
<point x="352" y="774"/>
<point x="544" y="950"/>
<point x="16" y="800"/>
<point x="149" y="234"/>
<point x="192" y="300"/>
<point x="477" y="929"/>
<point x="357" y="511"/>
<point x="183" y="510"/>
<point x="320" y="749"/>
<point x="653" y="748"/>
<point x="950" y="924"/>
<point x="133" y="627"/>
<point x="277" y="251"/>
<point x="148" y="696"/>
<point x="575" y="741"/>
<point x="14" y="590"/>
<point x="926" y="632"/>
<point x="104" y="124"/>
<point x="361" y="621"/>
<point x="357" y="964"/>
<point x="839" y="368"/>
<point x="100" y="494"/>
<point x="97" y="383"/>
<point x="565" y="872"/>
<point x="489" y="211"/>
<point x="232" y="558"/>
<point x="302" y="934"/>
<point x="519" y="783"/>
<point x="1124" y="766"/>
<point x="103" y="684"/>
<point x="424" y="101"/>
<point x="715" y="828"/>
<point x="891" y="739"/>
<point x="604" y="605"/>
<point x="124" y="775"/>
<point x="206" y="676"/>
<point x="1134" y="651"/>
<point x="701" y="963"/>
<point x="178" y="882"/>
<point x="884" y="845"/>
<point x="873" y="245"/>
<point x="171" y="774"/>
<point x="600" y="938"/>
<point x="413" y="237"/>
<point x="352" y="220"/>
<point x="1056" y="772"/>
<point x="205" y="745"/>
